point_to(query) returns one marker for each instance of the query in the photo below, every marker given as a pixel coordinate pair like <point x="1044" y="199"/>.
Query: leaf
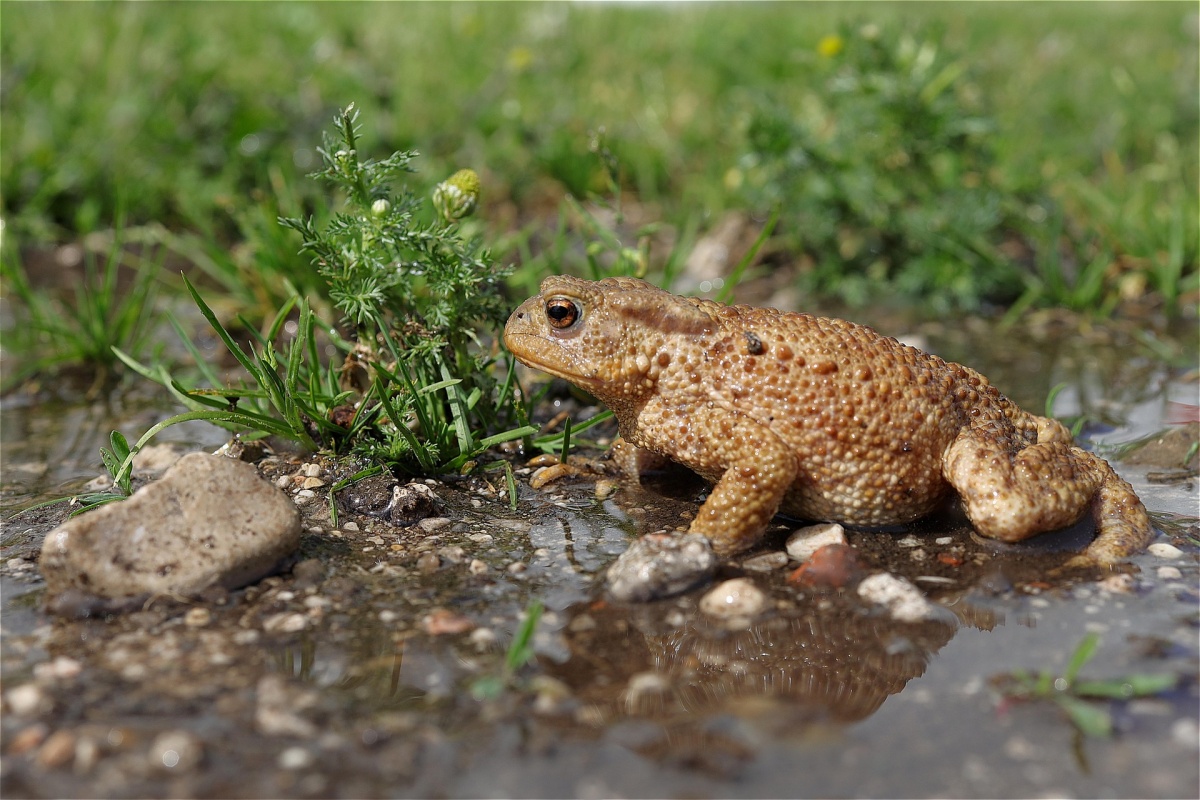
<point x="1140" y="685"/>
<point x="1092" y="720"/>
<point x="1083" y="653"/>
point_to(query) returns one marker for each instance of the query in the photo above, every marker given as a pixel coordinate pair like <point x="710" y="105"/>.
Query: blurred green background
<point x="960" y="155"/>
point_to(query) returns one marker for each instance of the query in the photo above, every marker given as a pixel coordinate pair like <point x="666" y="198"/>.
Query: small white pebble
<point x="1186" y="732"/>
<point x="313" y="483"/>
<point x="733" y="598"/>
<point x="25" y="700"/>
<point x="431" y="524"/>
<point x="61" y="668"/>
<point x="295" y="758"/>
<point x="388" y="616"/>
<point x="311" y="470"/>
<point x="1169" y="573"/>
<point x="197" y="617"/>
<point x="482" y="638"/>
<point x="517" y="567"/>
<point x="477" y="567"/>
<point x="350" y="526"/>
<point x="806" y="541"/>
<point x="908" y="541"/>
<point x="481" y="538"/>
<point x="283" y="481"/>
<point x="1164" y="550"/>
<point x="1121" y="583"/>
<point x="944" y="540"/>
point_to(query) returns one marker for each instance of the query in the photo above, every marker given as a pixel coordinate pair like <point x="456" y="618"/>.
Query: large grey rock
<point x="210" y="521"/>
<point x="660" y="565"/>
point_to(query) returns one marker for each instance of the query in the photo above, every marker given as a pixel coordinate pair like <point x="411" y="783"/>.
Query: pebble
<point x="904" y="601"/>
<point x="26" y="700"/>
<point x="311" y="470"/>
<point x="431" y="524"/>
<point x="455" y="554"/>
<point x="27" y="739"/>
<point x="806" y="541"/>
<point x="350" y="526"/>
<point x="304" y="497"/>
<point x="832" y="566"/>
<point x="1121" y="583"/>
<point x="1169" y="573"/>
<point x="197" y="617"/>
<point x="1186" y="732"/>
<point x="210" y="521"/>
<point x="295" y="758"/>
<point x="177" y="750"/>
<point x="58" y="749"/>
<point x="1164" y="550"/>
<point x="481" y="538"/>
<point x="428" y="563"/>
<point x="277" y="711"/>
<point x="477" y="567"/>
<point x="551" y="694"/>
<point x="517" y="567"/>
<point x="482" y="638"/>
<point x="660" y="565"/>
<point x="766" y="562"/>
<point x="312" y="483"/>
<point x="61" y="668"/>
<point x="642" y="683"/>
<point x="443" y="621"/>
<point x="735" y="598"/>
<point x="285" y="622"/>
<point x="944" y="540"/>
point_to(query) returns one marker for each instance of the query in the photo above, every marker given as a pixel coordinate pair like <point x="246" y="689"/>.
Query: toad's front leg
<point x="752" y="467"/>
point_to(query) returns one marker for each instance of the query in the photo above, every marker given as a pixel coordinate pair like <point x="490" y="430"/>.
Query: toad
<point x="819" y="418"/>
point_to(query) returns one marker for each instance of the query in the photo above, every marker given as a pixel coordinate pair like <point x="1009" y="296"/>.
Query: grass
<point x="1088" y="116"/>
<point x="1086" y="703"/>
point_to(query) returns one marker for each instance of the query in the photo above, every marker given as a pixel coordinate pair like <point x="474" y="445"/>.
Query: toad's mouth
<point x="521" y="345"/>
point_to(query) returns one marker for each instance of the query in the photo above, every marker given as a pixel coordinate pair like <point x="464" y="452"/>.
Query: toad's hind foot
<point x="1122" y="524"/>
<point x="1011" y="495"/>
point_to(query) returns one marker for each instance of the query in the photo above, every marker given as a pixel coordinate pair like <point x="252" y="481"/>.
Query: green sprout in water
<point x="1079" y="698"/>
<point x="520" y="652"/>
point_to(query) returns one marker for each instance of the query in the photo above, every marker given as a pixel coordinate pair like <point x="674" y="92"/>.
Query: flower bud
<point x="380" y="208"/>
<point x="456" y="196"/>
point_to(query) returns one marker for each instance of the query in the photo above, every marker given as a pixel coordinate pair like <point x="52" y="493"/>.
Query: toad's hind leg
<point x="1012" y="489"/>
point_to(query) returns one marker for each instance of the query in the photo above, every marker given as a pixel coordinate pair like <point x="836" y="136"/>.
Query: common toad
<point x="820" y="418"/>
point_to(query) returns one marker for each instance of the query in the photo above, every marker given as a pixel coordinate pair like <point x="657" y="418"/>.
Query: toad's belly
<point x="868" y="496"/>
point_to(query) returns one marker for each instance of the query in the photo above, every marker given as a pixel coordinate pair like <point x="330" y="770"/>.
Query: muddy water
<point x="375" y="666"/>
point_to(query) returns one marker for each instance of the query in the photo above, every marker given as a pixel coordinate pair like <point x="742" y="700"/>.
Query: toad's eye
<point x="561" y="312"/>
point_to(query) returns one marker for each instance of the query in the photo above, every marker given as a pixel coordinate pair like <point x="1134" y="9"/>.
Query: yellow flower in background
<point x="830" y="45"/>
<point x="520" y="58"/>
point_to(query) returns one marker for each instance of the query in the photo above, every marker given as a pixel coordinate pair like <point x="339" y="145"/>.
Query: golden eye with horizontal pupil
<point x="561" y="312"/>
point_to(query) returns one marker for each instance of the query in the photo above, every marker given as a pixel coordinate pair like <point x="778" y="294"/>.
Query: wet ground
<point x="377" y="663"/>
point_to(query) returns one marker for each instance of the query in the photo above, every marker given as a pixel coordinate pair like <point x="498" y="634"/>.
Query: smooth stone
<point x="660" y="565"/>
<point x="734" y="599"/>
<point x="806" y="541"/>
<point x="209" y="522"/>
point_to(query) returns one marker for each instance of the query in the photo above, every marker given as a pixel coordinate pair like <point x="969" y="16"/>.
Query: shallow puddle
<point x="378" y="664"/>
